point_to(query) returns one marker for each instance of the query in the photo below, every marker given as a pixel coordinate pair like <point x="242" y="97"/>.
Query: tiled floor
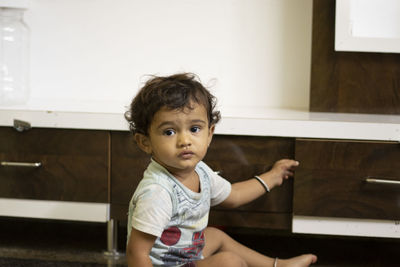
<point x="69" y="244"/>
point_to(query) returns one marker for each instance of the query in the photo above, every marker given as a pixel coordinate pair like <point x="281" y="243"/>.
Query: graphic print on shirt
<point x="171" y="236"/>
<point x="175" y="255"/>
<point x="187" y="210"/>
<point x="190" y="212"/>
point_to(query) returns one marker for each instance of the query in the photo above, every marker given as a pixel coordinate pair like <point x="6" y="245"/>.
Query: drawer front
<point x="331" y="179"/>
<point x="239" y="158"/>
<point x="73" y="164"/>
<point x="128" y="165"/>
<point x="236" y="157"/>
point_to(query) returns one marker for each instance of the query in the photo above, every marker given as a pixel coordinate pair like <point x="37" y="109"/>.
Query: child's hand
<point x="282" y="170"/>
<point x="246" y="191"/>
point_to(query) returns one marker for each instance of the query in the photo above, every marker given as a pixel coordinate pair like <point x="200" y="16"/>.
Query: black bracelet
<point x="262" y="183"/>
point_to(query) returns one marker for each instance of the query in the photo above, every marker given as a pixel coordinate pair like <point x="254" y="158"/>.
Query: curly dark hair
<point x="177" y="91"/>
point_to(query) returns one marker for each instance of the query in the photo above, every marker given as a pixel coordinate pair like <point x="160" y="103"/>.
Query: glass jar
<point x="14" y="56"/>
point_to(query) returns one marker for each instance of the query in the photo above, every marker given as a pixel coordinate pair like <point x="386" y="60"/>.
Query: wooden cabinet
<point x="331" y="180"/>
<point x="128" y="163"/>
<point x="235" y="157"/>
<point x="106" y="167"/>
<point x="68" y="165"/>
<point x="353" y="82"/>
<point x="241" y="157"/>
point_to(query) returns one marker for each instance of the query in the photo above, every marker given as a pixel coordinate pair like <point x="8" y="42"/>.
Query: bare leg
<point x="221" y="248"/>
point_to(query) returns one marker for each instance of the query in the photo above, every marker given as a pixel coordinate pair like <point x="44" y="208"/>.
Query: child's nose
<point x="184" y="140"/>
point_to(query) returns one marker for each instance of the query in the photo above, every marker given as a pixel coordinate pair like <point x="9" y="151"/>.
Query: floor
<point x="30" y="242"/>
<point x="46" y="243"/>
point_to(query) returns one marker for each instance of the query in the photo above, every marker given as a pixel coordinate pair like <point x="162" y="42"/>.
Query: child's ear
<point x="143" y="142"/>
<point x="210" y="133"/>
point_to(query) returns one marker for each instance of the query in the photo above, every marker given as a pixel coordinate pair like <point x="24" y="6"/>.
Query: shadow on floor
<point x="31" y="242"/>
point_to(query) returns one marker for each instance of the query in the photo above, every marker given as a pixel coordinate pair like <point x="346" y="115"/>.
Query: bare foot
<point x="299" y="261"/>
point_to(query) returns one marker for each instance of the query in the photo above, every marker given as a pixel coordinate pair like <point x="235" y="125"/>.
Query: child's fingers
<point x="288" y="162"/>
<point x="294" y="163"/>
<point x="288" y="165"/>
<point x="288" y="174"/>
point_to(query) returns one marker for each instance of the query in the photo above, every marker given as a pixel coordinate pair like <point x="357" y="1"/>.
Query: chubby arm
<point x="249" y="190"/>
<point x="138" y="249"/>
<point x="152" y="211"/>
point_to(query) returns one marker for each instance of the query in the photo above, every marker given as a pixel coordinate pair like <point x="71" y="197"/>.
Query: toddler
<point x="173" y="119"/>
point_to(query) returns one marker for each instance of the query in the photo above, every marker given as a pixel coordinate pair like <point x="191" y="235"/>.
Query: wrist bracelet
<point x="262" y="183"/>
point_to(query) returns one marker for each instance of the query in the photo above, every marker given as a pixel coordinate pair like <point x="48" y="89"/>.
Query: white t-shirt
<point x="164" y="207"/>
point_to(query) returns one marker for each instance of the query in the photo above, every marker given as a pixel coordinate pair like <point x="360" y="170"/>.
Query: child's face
<point x="178" y="139"/>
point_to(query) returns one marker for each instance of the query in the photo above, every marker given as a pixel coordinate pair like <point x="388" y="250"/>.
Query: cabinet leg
<point x="112" y="239"/>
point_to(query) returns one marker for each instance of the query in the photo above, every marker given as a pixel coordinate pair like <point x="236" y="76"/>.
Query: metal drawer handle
<point x="374" y="180"/>
<point x="21" y="164"/>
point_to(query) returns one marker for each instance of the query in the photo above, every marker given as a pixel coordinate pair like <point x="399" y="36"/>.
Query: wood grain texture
<point x="350" y="82"/>
<point x="256" y="220"/>
<point x="128" y="164"/>
<point x="119" y="212"/>
<point x="74" y="164"/>
<point x="237" y="157"/>
<point x="330" y="180"/>
<point x="241" y="157"/>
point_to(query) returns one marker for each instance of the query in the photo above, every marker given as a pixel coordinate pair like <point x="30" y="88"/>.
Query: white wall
<point x="93" y="55"/>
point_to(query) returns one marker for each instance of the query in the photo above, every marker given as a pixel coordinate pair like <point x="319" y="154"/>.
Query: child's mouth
<point x="186" y="154"/>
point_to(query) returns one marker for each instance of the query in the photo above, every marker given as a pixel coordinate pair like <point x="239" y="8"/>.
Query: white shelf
<point x="258" y="122"/>
<point x="56" y="210"/>
<point x="346" y="226"/>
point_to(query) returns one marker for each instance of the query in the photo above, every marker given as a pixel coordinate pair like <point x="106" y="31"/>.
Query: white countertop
<point x="259" y="122"/>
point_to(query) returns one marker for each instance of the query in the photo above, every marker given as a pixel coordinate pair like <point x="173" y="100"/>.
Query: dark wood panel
<point x="261" y="220"/>
<point x="237" y="157"/>
<point x="231" y="218"/>
<point x="330" y="180"/>
<point x="128" y="164"/>
<point x="119" y="212"/>
<point x="356" y="82"/>
<point x="74" y="164"/>
<point x="241" y="157"/>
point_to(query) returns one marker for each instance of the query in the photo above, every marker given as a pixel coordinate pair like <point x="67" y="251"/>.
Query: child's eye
<point x="169" y="132"/>
<point x="195" y="129"/>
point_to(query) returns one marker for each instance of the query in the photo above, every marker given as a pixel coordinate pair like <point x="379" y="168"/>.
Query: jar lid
<point x="15" y="3"/>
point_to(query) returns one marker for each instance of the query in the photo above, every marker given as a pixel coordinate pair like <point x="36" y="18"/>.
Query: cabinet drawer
<point x="236" y="157"/>
<point x="128" y="165"/>
<point x="239" y="158"/>
<point x="331" y="179"/>
<point x="73" y="164"/>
